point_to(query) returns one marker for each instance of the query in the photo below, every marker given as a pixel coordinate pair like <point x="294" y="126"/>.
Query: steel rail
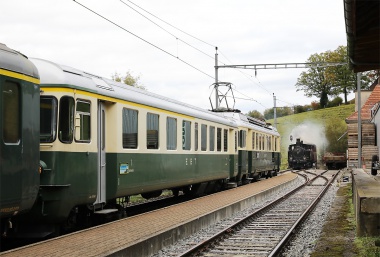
<point x="202" y="246"/>
<point x="276" y="251"/>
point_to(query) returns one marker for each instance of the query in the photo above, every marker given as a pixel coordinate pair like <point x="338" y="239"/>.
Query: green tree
<point x="301" y="108"/>
<point x="128" y="79"/>
<point x="342" y="78"/>
<point x="323" y="81"/>
<point x="280" y="112"/>
<point x="335" y="130"/>
<point x="335" y="102"/>
<point x="255" y="114"/>
<point x="313" y="82"/>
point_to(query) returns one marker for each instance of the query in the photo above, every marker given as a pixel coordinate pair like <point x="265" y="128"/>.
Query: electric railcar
<point x="102" y="141"/>
<point x="302" y="155"/>
<point x="258" y="148"/>
<point x="19" y="125"/>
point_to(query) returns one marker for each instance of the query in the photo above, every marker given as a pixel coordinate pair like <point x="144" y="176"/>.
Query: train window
<point x="236" y="136"/>
<point x="152" y="124"/>
<point x="83" y="121"/>
<point x="275" y="144"/>
<point x="204" y="137"/>
<point x="186" y="135"/>
<point x="266" y="142"/>
<point x="219" y="139"/>
<point x="270" y="143"/>
<point x="212" y="138"/>
<point x="253" y="140"/>
<point x="66" y="119"/>
<point x="242" y="138"/>
<point x="259" y="141"/>
<point x="11" y="113"/>
<point x="48" y="119"/>
<point x="225" y="141"/>
<point x="130" y="128"/>
<point x="171" y="133"/>
<point x="196" y="137"/>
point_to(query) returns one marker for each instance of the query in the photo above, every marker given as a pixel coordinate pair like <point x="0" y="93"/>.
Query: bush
<point x="337" y="101"/>
<point x="315" y="105"/>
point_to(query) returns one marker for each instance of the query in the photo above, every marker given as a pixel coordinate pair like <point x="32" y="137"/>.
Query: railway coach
<point x="102" y="141"/>
<point x="19" y="130"/>
<point x="258" y="148"/>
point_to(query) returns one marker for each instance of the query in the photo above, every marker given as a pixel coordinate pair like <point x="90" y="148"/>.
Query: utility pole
<point x="274" y="111"/>
<point x="359" y="76"/>
<point x="216" y="79"/>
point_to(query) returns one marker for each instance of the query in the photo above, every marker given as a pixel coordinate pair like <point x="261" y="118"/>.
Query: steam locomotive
<point x="302" y="156"/>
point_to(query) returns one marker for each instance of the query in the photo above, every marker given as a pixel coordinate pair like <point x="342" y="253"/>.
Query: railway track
<point x="266" y="231"/>
<point x="132" y="209"/>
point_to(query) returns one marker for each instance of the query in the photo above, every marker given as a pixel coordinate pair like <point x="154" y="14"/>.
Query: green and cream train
<point x="102" y="141"/>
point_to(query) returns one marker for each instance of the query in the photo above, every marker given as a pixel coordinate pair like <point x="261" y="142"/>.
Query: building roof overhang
<point x="362" y="19"/>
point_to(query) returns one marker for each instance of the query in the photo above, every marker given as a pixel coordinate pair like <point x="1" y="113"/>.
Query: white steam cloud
<point x="310" y="133"/>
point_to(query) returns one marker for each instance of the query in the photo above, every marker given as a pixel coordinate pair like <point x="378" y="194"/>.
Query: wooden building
<point x="369" y="112"/>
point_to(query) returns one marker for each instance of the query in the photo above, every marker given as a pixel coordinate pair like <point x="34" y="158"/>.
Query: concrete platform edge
<point x="366" y="201"/>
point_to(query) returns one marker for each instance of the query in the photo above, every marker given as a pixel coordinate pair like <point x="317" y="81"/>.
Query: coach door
<point x="101" y="196"/>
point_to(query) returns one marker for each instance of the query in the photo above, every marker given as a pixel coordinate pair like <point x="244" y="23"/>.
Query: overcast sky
<point x="180" y="63"/>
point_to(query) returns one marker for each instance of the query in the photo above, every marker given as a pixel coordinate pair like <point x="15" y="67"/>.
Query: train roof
<point x="54" y="74"/>
<point x="243" y="120"/>
<point x="14" y="61"/>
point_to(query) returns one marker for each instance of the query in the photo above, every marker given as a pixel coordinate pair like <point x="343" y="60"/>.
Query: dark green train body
<point x="258" y="148"/>
<point x="19" y="127"/>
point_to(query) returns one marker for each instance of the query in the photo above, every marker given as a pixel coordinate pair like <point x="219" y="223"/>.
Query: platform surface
<point x="112" y="237"/>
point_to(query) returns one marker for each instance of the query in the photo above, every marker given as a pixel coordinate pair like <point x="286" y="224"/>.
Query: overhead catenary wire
<point x="245" y="74"/>
<point x="249" y="98"/>
<point x="248" y="76"/>
<point x="171" y="24"/>
<point x="177" y="38"/>
<point x="133" y="34"/>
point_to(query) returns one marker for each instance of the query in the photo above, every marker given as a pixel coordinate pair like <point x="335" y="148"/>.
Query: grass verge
<point x="338" y="237"/>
